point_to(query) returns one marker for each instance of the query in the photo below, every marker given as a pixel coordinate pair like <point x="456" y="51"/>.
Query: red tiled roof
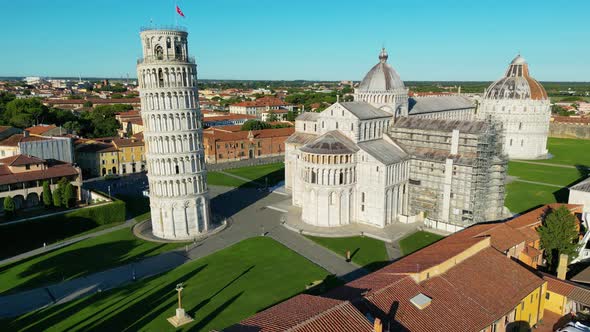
<point x="306" y="313"/>
<point x="21" y="159"/>
<point x="39" y="130"/>
<point x="468" y="297"/>
<point x="56" y="171"/>
<point x="219" y="135"/>
<point x="558" y="286"/>
<point x="229" y="116"/>
<point x="569" y="119"/>
<point x="17" y="138"/>
<point x="123" y="142"/>
<point x="262" y="102"/>
<point x="534" y="217"/>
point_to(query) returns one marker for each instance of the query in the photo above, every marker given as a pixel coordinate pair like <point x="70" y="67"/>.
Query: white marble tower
<point x="173" y="135"/>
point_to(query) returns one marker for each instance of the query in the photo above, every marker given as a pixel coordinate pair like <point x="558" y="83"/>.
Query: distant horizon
<point x="90" y="78"/>
<point x="459" y="40"/>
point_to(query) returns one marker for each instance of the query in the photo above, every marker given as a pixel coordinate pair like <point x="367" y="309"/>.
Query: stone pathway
<point x="251" y="218"/>
<point x="539" y="183"/>
<point x="547" y="164"/>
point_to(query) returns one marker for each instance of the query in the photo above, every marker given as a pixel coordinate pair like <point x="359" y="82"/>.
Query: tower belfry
<point x="171" y="115"/>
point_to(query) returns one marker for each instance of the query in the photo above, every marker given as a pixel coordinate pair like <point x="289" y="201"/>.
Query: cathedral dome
<point x="382" y="77"/>
<point x="516" y="83"/>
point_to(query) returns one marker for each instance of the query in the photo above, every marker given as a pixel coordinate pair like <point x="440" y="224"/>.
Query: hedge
<point x="29" y="235"/>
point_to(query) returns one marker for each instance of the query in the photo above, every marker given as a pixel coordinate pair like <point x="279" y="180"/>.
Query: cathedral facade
<point x="386" y="158"/>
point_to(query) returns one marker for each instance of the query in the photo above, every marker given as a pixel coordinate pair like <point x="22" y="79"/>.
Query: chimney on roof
<point x="562" y="267"/>
<point x="25" y="133"/>
<point x="378" y="326"/>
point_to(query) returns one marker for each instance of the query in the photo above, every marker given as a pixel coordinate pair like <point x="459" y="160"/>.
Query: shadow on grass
<point x="207" y="319"/>
<point x="194" y="311"/>
<point x="76" y="263"/>
<point x="26" y="236"/>
<point x="235" y="200"/>
<point x="132" y="311"/>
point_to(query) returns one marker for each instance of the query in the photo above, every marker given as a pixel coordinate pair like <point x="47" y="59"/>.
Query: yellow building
<point x="131" y="155"/>
<point x="110" y="156"/>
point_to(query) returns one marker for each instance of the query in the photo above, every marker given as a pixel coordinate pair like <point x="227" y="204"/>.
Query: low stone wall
<point x="245" y="163"/>
<point x="569" y="130"/>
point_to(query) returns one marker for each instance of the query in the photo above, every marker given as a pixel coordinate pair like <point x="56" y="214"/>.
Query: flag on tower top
<point x="179" y="11"/>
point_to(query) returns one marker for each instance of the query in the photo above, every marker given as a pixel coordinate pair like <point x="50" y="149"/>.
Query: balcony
<point x="163" y="28"/>
<point x="155" y="59"/>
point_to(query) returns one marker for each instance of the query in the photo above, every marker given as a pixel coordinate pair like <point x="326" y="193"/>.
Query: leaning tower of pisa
<point x="173" y="135"/>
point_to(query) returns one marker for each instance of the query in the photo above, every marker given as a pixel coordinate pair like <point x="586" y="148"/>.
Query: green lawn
<point x="521" y="197"/>
<point x="546" y="174"/>
<point x="417" y="241"/>
<point x="220" y="290"/>
<point x="219" y="179"/>
<point x="257" y="174"/>
<point x="274" y="172"/>
<point x="81" y="258"/>
<point x="568" y="151"/>
<point x="365" y="251"/>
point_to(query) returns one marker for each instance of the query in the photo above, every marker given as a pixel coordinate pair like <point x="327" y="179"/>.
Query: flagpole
<point x="175" y="14"/>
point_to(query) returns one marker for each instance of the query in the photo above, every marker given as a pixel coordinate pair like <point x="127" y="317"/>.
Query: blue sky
<point x="303" y="39"/>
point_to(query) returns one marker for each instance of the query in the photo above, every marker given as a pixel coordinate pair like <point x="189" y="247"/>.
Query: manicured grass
<point x="257" y="174"/>
<point x="220" y="290"/>
<point x="567" y="151"/>
<point x="81" y="258"/>
<point x="417" y="241"/>
<point x="365" y="251"/>
<point x="521" y="197"/>
<point x="220" y="179"/>
<point x="546" y="174"/>
<point x="274" y="172"/>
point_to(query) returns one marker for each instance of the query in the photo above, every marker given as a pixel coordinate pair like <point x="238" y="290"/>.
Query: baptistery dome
<point x="382" y="77"/>
<point x="516" y="84"/>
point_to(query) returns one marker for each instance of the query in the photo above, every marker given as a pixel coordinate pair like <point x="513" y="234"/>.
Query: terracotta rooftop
<point x="306" y="313"/>
<point x="18" y="138"/>
<point x="52" y="171"/>
<point x="124" y="142"/>
<point x="20" y="160"/>
<point x="39" y="130"/>
<point x="222" y="135"/>
<point x="262" y="102"/>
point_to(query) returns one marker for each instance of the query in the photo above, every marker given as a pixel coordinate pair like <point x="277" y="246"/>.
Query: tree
<point x="9" y="206"/>
<point x="255" y="125"/>
<point x="273" y="117"/>
<point x="57" y="199"/>
<point x="47" y="199"/>
<point x="559" y="235"/>
<point x="23" y="113"/>
<point x="291" y="116"/>
<point x="69" y="195"/>
<point x="87" y="103"/>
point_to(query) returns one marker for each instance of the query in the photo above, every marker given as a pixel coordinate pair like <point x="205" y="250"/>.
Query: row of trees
<point x="63" y="196"/>
<point x="260" y="125"/>
<point x="23" y="113"/>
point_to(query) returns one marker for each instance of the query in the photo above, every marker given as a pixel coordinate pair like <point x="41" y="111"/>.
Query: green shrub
<point x="25" y="236"/>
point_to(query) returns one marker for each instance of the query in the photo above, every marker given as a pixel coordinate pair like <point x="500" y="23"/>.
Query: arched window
<point x="159" y="52"/>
